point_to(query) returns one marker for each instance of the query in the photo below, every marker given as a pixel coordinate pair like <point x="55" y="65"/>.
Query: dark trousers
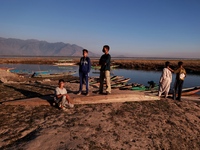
<point x="83" y="77"/>
<point x="178" y="88"/>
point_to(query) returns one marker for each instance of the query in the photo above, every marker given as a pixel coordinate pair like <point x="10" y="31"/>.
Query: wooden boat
<point x="187" y="91"/>
<point x="113" y="79"/>
<point x="152" y="87"/>
<point x="126" y="87"/>
<point x="190" y="91"/>
<point x="21" y="72"/>
<point x="122" y="80"/>
<point x="50" y="75"/>
<point x="139" y="88"/>
<point x="6" y="69"/>
<point x="119" y="85"/>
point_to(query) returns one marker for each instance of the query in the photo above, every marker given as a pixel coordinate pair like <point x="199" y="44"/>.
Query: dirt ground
<point x="164" y="124"/>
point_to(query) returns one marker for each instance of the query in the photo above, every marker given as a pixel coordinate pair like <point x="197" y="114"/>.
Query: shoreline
<point x="192" y="66"/>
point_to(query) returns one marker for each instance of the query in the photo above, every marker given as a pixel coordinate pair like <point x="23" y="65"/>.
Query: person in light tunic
<point x="165" y="80"/>
<point x="61" y="97"/>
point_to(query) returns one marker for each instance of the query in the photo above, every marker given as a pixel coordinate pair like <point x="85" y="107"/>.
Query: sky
<point x="133" y="28"/>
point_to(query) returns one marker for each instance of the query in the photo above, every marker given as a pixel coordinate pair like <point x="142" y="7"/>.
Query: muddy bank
<point x="140" y="125"/>
<point x="191" y="66"/>
<point x="164" y="124"/>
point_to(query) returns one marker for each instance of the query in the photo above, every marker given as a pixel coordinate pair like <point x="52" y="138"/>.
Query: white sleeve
<point x="57" y="91"/>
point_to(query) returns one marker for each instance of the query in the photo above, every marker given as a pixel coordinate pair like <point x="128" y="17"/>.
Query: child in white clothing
<point x="61" y="97"/>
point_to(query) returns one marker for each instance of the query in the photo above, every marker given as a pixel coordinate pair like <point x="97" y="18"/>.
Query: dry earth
<point x="164" y="124"/>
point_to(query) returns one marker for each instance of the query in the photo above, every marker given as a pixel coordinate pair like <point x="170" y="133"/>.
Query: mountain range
<point x="32" y="47"/>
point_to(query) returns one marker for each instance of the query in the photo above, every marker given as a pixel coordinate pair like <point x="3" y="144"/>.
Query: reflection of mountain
<point x="18" y="47"/>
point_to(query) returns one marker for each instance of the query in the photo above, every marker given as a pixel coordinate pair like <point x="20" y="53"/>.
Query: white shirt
<point x="59" y="91"/>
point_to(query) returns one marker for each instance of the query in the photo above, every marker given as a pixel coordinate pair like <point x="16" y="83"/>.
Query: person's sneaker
<point x="79" y="93"/>
<point x="60" y="106"/>
<point x="65" y="109"/>
<point x="71" y="105"/>
<point x="87" y="94"/>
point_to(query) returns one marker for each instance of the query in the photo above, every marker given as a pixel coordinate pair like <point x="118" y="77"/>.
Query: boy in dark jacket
<point x="84" y="69"/>
<point x="105" y="70"/>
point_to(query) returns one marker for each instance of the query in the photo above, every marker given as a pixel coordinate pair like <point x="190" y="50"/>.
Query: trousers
<point x="83" y="77"/>
<point x="178" y="88"/>
<point x="105" y="75"/>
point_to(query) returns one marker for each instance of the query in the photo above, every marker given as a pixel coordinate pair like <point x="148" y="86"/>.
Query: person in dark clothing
<point x="180" y="76"/>
<point x="105" y="70"/>
<point x="84" y="69"/>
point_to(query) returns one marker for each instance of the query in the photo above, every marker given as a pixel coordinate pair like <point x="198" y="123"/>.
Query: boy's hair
<point x="61" y="80"/>
<point x="167" y="63"/>
<point x="180" y="63"/>
<point x="85" y="50"/>
<point x="107" y="47"/>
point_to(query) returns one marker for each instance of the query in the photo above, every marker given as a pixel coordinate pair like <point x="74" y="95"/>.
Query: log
<point x="128" y="96"/>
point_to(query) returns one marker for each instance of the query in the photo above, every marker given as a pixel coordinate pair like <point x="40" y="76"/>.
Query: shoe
<point x="107" y="93"/>
<point x="71" y="105"/>
<point x="79" y="93"/>
<point x="60" y="106"/>
<point x="99" y="92"/>
<point x="65" y="109"/>
<point x="178" y="99"/>
<point x="87" y="94"/>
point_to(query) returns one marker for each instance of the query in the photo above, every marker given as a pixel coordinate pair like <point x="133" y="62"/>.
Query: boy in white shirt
<point x="61" y="96"/>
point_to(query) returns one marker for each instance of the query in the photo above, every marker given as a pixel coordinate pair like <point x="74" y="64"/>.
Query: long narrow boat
<point x="187" y="91"/>
<point x="122" y="80"/>
<point x="144" y="88"/>
<point x="21" y="72"/>
<point x="113" y="79"/>
<point x="6" y="69"/>
<point x="51" y="75"/>
<point x="190" y="91"/>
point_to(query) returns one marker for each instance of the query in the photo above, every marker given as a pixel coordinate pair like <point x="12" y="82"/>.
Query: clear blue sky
<point x="156" y="28"/>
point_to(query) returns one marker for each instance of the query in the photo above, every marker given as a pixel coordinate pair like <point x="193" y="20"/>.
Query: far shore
<point x="191" y="65"/>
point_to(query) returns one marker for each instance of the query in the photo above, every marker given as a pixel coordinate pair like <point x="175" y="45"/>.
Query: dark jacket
<point x="105" y="62"/>
<point x="85" y="65"/>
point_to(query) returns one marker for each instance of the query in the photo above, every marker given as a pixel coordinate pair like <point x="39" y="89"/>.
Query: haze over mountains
<point x="18" y="47"/>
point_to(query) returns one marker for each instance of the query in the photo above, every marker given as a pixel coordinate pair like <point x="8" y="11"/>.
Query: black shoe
<point x="99" y="92"/>
<point x="107" y="93"/>
<point x="79" y="93"/>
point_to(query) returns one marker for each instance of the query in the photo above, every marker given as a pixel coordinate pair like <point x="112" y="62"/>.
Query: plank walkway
<point x="116" y="96"/>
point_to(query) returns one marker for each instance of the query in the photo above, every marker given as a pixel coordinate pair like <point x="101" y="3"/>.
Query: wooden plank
<point x="93" y="99"/>
<point x="113" y="98"/>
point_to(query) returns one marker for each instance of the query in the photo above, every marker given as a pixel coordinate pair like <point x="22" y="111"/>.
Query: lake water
<point x="137" y="76"/>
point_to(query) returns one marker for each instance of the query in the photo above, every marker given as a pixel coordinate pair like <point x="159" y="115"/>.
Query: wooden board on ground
<point x="126" y="96"/>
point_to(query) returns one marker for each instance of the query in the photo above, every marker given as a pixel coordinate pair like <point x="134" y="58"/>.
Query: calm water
<point x="137" y="76"/>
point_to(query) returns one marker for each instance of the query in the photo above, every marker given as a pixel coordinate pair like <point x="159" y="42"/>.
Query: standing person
<point x="180" y="76"/>
<point x="84" y="69"/>
<point x="61" y="97"/>
<point x="105" y="70"/>
<point x="165" y="80"/>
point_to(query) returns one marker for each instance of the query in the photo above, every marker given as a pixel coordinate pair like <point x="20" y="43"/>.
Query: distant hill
<point x="17" y="47"/>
